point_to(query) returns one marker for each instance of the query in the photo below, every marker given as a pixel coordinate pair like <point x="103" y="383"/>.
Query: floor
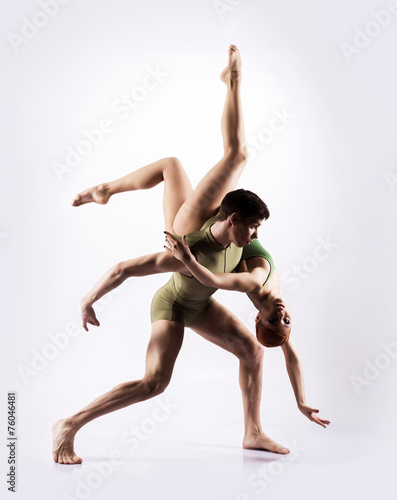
<point x="185" y="454"/>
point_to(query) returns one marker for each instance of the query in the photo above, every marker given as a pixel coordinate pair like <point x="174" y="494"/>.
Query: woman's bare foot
<point x="62" y="444"/>
<point x="233" y="68"/>
<point x="98" y="194"/>
<point x="261" y="442"/>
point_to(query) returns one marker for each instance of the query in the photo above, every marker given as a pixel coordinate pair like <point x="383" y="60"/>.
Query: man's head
<point x="246" y="211"/>
<point x="273" y="323"/>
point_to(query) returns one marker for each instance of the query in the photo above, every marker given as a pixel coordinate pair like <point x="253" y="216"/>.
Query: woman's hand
<point x="311" y="414"/>
<point x="88" y="315"/>
<point x="179" y="249"/>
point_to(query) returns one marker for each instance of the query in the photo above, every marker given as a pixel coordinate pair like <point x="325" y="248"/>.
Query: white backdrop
<point x="329" y="179"/>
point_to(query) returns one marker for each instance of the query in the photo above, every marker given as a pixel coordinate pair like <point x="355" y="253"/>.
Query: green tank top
<point x="210" y="254"/>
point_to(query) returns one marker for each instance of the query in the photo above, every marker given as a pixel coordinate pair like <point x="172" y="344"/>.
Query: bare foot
<point x="98" y="194"/>
<point x="233" y="68"/>
<point x="62" y="444"/>
<point x="264" y="443"/>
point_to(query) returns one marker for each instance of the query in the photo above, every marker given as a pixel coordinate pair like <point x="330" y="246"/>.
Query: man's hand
<point x="179" y="249"/>
<point x="311" y="414"/>
<point x="88" y="315"/>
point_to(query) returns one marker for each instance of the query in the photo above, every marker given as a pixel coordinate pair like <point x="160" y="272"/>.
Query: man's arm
<point x="141" y="266"/>
<point x="295" y="373"/>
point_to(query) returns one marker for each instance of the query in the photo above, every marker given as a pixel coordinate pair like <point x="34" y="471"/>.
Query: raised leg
<point x="164" y="346"/>
<point x="223" y="177"/>
<point x="177" y="187"/>
<point x="224" y="329"/>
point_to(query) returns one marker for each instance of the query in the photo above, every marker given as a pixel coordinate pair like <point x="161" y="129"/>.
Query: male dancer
<point x="216" y="323"/>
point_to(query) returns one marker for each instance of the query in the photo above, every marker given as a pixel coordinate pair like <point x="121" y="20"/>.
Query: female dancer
<point x="189" y="209"/>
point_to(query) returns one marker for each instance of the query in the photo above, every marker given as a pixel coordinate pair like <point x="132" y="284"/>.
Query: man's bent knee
<point x="251" y="351"/>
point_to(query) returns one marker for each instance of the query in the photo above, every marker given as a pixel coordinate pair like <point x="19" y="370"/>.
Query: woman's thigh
<point x="177" y="189"/>
<point x="203" y="203"/>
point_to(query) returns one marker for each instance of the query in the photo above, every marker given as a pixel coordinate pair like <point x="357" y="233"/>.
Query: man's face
<point x="245" y="231"/>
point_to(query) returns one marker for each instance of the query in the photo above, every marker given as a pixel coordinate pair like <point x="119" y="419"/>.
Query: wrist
<point x="187" y="259"/>
<point x="86" y="302"/>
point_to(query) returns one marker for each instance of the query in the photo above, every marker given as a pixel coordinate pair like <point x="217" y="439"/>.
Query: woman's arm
<point x="240" y="282"/>
<point x="295" y="373"/>
<point x="141" y="266"/>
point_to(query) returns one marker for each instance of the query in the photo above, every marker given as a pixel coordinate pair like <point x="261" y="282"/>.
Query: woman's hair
<point x="245" y="204"/>
<point x="270" y="337"/>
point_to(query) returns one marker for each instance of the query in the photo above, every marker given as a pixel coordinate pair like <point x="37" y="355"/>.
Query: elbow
<point x="119" y="271"/>
<point x="255" y="288"/>
<point x="292" y="360"/>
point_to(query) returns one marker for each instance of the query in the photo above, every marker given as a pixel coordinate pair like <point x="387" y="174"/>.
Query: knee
<point x="252" y="353"/>
<point x="174" y="162"/>
<point x="239" y="154"/>
<point x="155" y="384"/>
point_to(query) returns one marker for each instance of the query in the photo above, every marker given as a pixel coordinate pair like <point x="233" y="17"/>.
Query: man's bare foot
<point x="62" y="444"/>
<point x="233" y="68"/>
<point x="261" y="442"/>
<point x="98" y="194"/>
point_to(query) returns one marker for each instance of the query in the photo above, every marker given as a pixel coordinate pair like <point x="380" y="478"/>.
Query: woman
<point x="185" y="211"/>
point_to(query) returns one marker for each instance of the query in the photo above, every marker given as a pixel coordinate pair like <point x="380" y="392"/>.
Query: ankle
<point x="104" y="189"/>
<point x="252" y="431"/>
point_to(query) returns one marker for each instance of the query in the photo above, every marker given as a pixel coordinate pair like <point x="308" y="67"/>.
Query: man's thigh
<point x="221" y="327"/>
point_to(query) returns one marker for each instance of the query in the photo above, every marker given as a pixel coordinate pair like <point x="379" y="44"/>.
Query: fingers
<point x="170" y="236"/>
<point x="321" y="421"/>
<point x="90" y="321"/>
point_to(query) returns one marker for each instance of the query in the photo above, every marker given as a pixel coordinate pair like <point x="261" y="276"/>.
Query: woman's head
<point x="273" y="323"/>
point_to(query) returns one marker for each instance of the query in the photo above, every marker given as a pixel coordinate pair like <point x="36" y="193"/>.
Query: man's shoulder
<point x="209" y="222"/>
<point x="202" y="234"/>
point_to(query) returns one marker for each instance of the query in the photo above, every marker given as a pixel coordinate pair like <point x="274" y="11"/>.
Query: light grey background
<point x="327" y="176"/>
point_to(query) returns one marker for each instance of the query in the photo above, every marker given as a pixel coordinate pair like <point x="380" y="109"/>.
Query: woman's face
<point x="275" y="314"/>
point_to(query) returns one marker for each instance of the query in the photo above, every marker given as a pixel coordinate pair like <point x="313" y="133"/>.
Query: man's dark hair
<point x="245" y="204"/>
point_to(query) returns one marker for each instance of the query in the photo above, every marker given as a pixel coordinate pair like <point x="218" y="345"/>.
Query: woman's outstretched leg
<point x="223" y="177"/>
<point x="177" y="186"/>
<point x="163" y="349"/>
